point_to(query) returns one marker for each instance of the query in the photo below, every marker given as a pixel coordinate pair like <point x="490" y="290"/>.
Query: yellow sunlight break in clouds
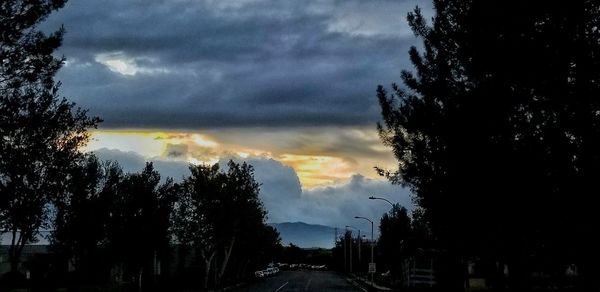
<point x="318" y="170"/>
<point x="315" y="168"/>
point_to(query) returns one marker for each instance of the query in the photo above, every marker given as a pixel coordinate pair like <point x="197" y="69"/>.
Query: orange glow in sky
<point x="316" y="165"/>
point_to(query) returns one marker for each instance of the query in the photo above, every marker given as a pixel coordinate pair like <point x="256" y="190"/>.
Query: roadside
<point x="364" y="284"/>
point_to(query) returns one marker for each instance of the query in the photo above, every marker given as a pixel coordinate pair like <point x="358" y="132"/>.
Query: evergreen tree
<point x="497" y="134"/>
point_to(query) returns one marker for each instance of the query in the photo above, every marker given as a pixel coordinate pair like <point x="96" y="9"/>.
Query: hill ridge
<point x="305" y="235"/>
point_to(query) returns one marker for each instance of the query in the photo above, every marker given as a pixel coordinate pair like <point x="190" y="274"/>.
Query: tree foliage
<point x="109" y="219"/>
<point x="394" y="232"/>
<point x="497" y="131"/>
<point x="138" y="227"/>
<point x="83" y="213"/>
<point x="218" y="213"/>
<point x="93" y="208"/>
<point x="41" y="133"/>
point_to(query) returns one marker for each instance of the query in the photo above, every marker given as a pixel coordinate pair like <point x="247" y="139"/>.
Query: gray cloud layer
<point x="283" y="196"/>
<point x="203" y="64"/>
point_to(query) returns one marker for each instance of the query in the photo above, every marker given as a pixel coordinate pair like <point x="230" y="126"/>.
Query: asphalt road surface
<point x="287" y="281"/>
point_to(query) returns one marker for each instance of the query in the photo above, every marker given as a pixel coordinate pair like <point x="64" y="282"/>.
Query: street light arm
<point x="359" y="217"/>
<point x="383" y="199"/>
<point x="372" y="245"/>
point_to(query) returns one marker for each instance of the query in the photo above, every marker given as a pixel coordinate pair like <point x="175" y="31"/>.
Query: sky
<point x="286" y="85"/>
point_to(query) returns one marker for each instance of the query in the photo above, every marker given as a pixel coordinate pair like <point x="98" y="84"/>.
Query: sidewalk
<point x="365" y="284"/>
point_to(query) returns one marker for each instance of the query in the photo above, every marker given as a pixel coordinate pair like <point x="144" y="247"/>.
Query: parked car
<point x="259" y="274"/>
<point x="283" y="266"/>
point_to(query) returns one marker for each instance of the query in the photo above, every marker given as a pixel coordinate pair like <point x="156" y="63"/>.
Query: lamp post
<point x="348" y="226"/>
<point x="383" y="199"/>
<point x="388" y="201"/>
<point x="372" y="242"/>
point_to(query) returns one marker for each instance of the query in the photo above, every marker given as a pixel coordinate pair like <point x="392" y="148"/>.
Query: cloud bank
<point x="283" y="196"/>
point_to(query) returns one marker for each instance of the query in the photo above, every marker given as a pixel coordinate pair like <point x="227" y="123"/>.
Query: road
<point x="287" y="281"/>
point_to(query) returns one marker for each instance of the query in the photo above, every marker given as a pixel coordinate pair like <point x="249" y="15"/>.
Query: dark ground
<point x="301" y="281"/>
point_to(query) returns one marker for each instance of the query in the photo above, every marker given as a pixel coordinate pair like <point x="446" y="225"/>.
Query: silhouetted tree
<point x="255" y="249"/>
<point x="196" y="209"/>
<point x="41" y="133"/>
<point x="344" y="245"/>
<point x="498" y="134"/>
<point x="217" y="211"/>
<point x="242" y="191"/>
<point x="138" y="231"/>
<point x="394" y="232"/>
<point x="421" y="231"/>
<point x="83" y="213"/>
<point x="293" y="254"/>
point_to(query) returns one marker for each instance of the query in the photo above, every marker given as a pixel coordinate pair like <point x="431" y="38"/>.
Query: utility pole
<point x="372" y="245"/>
<point x="345" y="251"/>
<point x="350" y="237"/>
<point x="359" y="251"/>
<point x="358" y="242"/>
<point x="392" y="205"/>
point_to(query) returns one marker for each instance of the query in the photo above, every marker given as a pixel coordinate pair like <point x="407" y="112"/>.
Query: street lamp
<point x="348" y="226"/>
<point x="372" y="242"/>
<point x="383" y="199"/>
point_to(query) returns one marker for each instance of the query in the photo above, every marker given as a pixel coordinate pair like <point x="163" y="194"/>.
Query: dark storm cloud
<point x="197" y="64"/>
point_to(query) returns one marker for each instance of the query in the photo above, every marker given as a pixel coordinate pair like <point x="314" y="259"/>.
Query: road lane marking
<point x="307" y="284"/>
<point x="281" y="287"/>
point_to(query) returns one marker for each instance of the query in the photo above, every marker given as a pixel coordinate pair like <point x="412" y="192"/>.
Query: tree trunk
<point x="207" y="264"/>
<point x="225" y="261"/>
<point x="11" y="252"/>
<point x="242" y="272"/>
<point x="15" y="251"/>
<point x="140" y="274"/>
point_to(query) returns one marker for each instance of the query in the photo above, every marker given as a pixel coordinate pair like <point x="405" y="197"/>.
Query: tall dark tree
<point x="83" y="215"/>
<point x="248" y="224"/>
<point x="217" y="211"/>
<point x="138" y="233"/>
<point x="196" y="210"/>
<point x="497" y="133"/>
<point x="41" y="133"/>
<point x="256" y="247"/>
<point x="394" y="232"/>
<point x="421" y="230"/>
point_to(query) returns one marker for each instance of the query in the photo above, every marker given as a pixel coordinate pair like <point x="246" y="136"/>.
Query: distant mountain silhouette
<point x="305" y="235"/>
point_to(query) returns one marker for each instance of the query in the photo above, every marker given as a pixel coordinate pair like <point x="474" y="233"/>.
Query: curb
<point x="365" y="284"/>
<point x="356" y="284"/>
